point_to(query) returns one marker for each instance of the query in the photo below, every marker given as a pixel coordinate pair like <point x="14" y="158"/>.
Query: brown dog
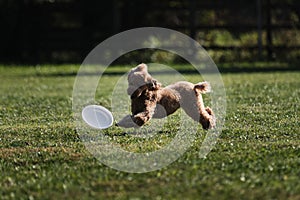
<point x="150" y="100"/>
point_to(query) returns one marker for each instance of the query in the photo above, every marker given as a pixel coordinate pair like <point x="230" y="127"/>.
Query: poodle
<point x="150" y="100"/>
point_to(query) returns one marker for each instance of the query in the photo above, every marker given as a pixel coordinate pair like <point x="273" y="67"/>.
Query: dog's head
<point x="140" y="80"/>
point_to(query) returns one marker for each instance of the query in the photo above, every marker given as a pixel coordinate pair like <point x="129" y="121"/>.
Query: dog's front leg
<point x="140" y="118"/>
<point x="134" y="121"/>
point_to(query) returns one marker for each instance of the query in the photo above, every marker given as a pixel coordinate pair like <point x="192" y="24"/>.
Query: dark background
<point x="64" y="31"/>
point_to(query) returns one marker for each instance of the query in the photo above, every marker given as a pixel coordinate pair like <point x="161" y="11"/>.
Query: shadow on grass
<point x="189" y="70"/>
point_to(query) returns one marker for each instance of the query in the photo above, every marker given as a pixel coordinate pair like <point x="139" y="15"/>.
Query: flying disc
<point x="97" y="116"/>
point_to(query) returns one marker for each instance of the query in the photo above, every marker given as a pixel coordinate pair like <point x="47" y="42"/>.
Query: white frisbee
<point x="97" y="116"/>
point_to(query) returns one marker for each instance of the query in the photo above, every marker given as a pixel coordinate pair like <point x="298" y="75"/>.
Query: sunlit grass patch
<point x="41" y="155"/>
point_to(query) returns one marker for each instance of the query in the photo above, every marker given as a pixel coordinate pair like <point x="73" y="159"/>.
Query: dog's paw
<point x="212" y="120"/>
<point x="208" y="121"/>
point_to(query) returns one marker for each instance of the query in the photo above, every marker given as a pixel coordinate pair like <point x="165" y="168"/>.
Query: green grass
<point x="41" y="156"/>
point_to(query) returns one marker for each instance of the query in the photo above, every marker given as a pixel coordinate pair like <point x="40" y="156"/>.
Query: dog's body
<point x="150" y="100"/>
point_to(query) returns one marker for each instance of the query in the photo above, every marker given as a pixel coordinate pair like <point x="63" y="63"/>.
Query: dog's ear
<point x="130" y="90"/>
<point x="202" y="87"/>
<point x="135" y="92"/>
<point x="133" y="89"/>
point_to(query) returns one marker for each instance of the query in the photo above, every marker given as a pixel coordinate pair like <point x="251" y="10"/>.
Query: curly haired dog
<point x="150" y="100"/>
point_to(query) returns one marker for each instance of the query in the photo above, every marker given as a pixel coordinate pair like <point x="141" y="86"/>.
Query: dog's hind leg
<point x="194" y="107"/>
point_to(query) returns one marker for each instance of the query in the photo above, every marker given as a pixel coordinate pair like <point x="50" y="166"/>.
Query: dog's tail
<point x="202" y="87"/>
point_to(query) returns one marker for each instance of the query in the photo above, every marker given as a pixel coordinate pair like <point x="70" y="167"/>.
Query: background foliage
<point x="36" y="31"/>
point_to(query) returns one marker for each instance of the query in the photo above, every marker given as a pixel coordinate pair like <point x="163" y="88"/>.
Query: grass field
<point x="41" y="156"/>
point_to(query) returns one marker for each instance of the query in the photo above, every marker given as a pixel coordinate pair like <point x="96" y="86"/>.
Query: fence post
<point x="269" y="29"/>
<point x="116" y="16"/>
<point x="192" y="18"/>
<point x="259" y="29"/>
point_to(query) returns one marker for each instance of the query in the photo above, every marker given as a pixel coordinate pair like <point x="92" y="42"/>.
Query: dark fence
<point x="39" y="31"/>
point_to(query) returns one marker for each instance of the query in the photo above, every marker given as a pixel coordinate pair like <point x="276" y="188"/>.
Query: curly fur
<point x="150" y="100"/>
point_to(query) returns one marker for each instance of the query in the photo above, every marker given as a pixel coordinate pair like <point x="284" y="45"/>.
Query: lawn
<point x="257" y="155"/>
